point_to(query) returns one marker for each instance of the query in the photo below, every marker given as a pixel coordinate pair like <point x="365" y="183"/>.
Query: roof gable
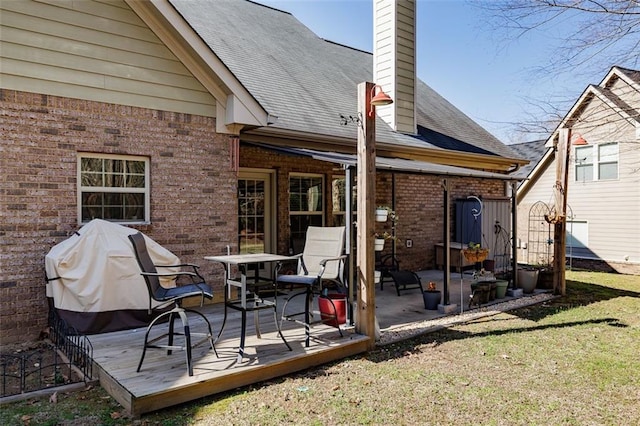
<point x="610" y="98"/>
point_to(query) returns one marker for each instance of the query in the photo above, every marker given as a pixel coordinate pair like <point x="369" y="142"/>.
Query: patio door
<point x="255" y="211"/>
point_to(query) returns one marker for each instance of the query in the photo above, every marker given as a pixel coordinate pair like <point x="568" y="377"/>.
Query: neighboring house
<point x="204" y="125"/>
<point x="603" y="188"/>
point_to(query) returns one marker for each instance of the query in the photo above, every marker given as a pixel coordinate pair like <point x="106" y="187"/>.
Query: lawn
<point x="573" y="360"/>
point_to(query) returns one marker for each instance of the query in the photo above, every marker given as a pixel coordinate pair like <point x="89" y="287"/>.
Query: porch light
<point x="580" y="141"/>
<point x="378" y="99"/>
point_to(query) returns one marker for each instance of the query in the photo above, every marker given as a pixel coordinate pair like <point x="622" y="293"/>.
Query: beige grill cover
<point x="94" y="279"/>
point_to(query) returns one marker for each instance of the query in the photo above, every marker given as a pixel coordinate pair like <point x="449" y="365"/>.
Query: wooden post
<point x="366" y="186"/>
<point x="563" y="150"/>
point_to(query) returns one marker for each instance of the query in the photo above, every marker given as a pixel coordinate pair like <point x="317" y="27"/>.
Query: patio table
<point x="245" y="303"/>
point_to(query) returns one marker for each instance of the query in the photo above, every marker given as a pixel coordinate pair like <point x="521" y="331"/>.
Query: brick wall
<point x="193" y="190"/>
<point x="419" y="202"/>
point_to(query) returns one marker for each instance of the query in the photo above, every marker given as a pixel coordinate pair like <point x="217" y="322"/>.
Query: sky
<point x="486" y="73"/>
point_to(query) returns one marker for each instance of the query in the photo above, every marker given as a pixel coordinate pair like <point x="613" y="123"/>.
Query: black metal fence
<point x="41" y="366"/>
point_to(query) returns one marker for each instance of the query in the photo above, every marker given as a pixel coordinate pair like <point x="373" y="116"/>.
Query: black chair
<point x="406" y="280"/>
<point x="321" y="260"/>
<point x="386" y="264"/>
<point x="168" y="296"/>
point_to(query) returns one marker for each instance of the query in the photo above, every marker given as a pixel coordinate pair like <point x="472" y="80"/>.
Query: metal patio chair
<point x="322" y="260"/>
<point x="171" y="296"/>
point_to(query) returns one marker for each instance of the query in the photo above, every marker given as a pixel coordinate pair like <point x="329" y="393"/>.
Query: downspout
<point x="349" y="240"/>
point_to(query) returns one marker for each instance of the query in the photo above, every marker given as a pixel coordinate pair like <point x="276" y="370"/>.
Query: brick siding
<point x="193" y="189"/>
<point x="419" y="202"/>
<point x="193" y="192"/>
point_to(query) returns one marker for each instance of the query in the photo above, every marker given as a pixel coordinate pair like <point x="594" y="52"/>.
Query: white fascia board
<point x="214" y="76"/>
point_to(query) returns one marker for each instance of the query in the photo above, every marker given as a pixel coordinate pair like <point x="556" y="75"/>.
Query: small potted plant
<point x="380" y="239"/>
<point x="382" y="213"/>
<point x="431" y="297"/>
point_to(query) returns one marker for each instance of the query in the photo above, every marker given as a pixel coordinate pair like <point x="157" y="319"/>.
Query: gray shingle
<point x="532" y="151"/>
<point x="307" y="81"/>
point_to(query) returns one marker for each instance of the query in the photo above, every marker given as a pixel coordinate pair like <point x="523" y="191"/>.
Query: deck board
<point x="163" y="380"/>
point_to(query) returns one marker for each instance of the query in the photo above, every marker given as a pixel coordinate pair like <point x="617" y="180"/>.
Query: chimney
<point x="394" y="61"/>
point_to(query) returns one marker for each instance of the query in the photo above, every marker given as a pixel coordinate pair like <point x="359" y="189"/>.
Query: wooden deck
<point x="163" y="380"/>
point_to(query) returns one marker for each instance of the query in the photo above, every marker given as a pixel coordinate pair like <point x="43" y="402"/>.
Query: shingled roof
<point x="308" y="82"/>
<point x="533" y="151"/>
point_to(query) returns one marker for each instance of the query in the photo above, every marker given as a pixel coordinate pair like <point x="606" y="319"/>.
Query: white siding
<point x="94" y="50"/>
<point x="611" y="208"/>
<point x="394" y="61"/>
<point x="624" y="91"/>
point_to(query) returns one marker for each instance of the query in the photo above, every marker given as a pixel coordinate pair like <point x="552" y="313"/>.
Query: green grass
<point x="570" y="361"/>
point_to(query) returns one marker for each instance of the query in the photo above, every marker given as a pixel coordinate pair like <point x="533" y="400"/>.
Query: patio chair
<point x="386" y="264"/>
<point x="171" y="297"/>
<point x="321" y="261"/>
<point x="406" y="280"/>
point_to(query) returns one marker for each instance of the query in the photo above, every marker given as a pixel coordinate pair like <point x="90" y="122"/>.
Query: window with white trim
<point x="306" y="206"/>
<point x="113" y="188"/>
<point x="608" y="161"/>
<point x="599" y="162"/>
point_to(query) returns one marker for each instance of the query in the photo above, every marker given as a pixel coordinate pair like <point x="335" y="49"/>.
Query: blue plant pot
<point x="431" y="299"/>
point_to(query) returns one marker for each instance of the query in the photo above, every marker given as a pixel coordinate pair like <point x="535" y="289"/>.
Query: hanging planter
<point x="378" y="244"/>
<point x="382" y="214"/>
<point x="474" y="253"/>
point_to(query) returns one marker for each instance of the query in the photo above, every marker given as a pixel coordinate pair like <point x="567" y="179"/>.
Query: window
<point x="584" y="163"/>
<point x="113" y="187"/>
<point x="305" y="206"/>
<point x="339" y="200"/>
<point x="598" y="162"/>
<point x="608" y="161"/>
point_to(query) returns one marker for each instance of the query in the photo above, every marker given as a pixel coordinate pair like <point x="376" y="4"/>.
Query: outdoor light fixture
<point x="580" y="141"/>
<point x="378" y="99"/>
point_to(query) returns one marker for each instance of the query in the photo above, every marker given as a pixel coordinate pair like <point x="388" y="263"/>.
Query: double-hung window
<point x="306" y="206"/>
<point x="599" y="162"/>
<point x="608" y="161"/>
<point x="113" y="188"/>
